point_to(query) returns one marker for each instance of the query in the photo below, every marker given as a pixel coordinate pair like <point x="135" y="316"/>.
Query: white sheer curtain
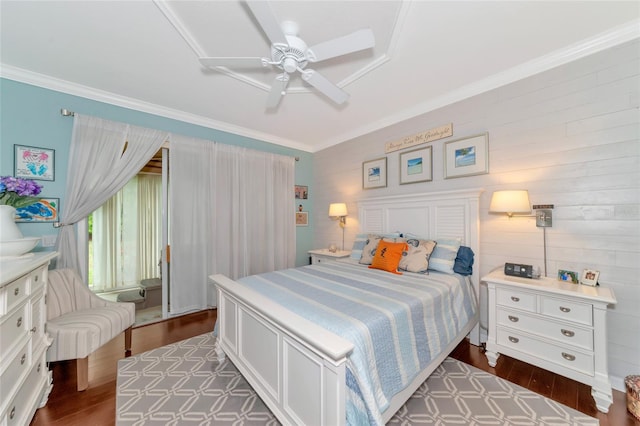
<point x="233" y="213"/>
<point x="126" y="237"/>
<point x="97" y="169"/>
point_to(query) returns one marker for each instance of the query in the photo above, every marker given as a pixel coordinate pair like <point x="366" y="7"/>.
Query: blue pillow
<point x="444" y="255"/>
<point x="464" y="261"/>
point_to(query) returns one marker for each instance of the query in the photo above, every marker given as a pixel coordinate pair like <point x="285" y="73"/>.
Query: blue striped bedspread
<point x="397" y="323"/>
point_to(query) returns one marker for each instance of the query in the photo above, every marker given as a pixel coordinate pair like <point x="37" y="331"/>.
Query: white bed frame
<point x="298" y="367"/>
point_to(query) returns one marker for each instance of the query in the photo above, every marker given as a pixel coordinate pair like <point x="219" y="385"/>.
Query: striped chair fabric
<point x="79" y="322"/>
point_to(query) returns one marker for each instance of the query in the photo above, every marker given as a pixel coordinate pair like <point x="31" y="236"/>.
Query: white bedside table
<point x="555" y="325"/>
<point x="324" y="255"/>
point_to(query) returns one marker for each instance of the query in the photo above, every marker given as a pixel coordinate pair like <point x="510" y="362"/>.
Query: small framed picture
<point x="374" y="173"/>
<point x="568" y="276"/>
<point x="45" y="210"/>
<point x="302" y="218"/>
<point x="466" y="157"/>
<point x="302" y="192"/>
<point x="416" y="166"/>
<point x="589" y="277"/>
<point x="34" y="163"/>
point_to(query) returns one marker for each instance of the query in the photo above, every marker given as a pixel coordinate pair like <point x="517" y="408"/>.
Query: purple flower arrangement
<point x="17" y="192"/>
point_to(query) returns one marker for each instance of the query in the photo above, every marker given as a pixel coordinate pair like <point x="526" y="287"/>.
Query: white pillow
<point x="416" y="257"/>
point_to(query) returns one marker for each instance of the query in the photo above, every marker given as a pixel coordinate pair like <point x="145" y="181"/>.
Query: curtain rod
<point x="67" y="113"/>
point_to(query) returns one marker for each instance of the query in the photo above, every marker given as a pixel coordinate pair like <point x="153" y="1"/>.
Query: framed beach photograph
<point x="590" y="277"/>
<point x="45" y="210"/>
<point x="34" y="163"/>
<point x="374" y="173"/>
<point x="302" y="192"/>
<point x="466" y="157"/>
<point x="568" y="276"/>
<point x="302" y="218"/>
<point x="416" y="166"/>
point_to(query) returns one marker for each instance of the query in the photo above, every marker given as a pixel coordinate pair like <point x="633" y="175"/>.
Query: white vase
<point x="9" y="231"/>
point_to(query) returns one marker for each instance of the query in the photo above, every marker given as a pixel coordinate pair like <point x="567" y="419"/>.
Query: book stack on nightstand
<point x="324" y="255"/>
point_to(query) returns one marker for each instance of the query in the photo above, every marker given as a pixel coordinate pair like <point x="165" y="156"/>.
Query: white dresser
<point x="25" y="380"/>
<point x="555" y="325"/>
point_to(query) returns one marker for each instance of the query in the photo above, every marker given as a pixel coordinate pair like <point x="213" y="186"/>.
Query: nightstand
<point x="555" y="325"/>
<point x="324" y="255"/>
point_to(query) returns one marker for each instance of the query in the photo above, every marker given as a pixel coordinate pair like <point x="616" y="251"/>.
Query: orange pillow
<point x="388" y="255"/>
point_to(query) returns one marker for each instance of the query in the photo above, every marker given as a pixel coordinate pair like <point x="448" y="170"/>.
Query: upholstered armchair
<point x="79" y="322"/>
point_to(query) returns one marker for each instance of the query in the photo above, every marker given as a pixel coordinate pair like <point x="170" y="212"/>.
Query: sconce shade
<point x="337" y="209"/>
<point x="512" y="201"/>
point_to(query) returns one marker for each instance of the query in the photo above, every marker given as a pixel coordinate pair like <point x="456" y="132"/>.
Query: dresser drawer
<point x="14" y="371"/>
<point x="567" y="310"/>
<point x="564" y="357"/>
<point x="516" y="299"/>
<point x="14" y="329"/>
<point x="563" y="333"/>
<point x="20" y="409"/>
<point x="38" y="278"/>
<point x="14" y="293"/>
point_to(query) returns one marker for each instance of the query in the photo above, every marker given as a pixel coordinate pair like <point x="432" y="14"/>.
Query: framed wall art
<point x="589" y="277"/>
<point x="34" y="163"/>
<point x="302" y="218"/>
<point x="302" y="192"/>
<point x="466" y="157"/>
<point x="374" y="173"/>
<point x="416" y="166"/>
<point x="45" y="210"/>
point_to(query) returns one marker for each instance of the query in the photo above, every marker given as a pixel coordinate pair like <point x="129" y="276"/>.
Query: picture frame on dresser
<point x="590" y="277"/>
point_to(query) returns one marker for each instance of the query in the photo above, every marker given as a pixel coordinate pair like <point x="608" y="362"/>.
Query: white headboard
<point x="450" y="214"/>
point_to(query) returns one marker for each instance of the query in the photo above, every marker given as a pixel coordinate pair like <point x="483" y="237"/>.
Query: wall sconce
<point x="339" y="211"/>
<point x="517" y="201"/>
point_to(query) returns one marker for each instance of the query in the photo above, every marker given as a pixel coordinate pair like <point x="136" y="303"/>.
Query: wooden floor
<point x="97" y="405"/>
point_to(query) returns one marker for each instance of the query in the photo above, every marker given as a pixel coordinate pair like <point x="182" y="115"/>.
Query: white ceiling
<point x="144" y="55"/>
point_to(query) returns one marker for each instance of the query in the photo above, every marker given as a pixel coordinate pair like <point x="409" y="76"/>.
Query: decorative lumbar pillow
<point x="388" y="255"/>
<point x="444" y="255"/>
<point x="416" y="258"/>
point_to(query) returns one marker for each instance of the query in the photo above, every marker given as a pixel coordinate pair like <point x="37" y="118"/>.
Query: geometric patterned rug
<point x="183" y="383"/>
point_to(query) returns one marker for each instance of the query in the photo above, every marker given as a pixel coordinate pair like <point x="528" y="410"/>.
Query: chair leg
<point x="82" y="373"/>
<point x="127" y="339"/>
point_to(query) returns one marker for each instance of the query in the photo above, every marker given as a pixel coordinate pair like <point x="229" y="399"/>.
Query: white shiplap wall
<point x="571" y="136"/>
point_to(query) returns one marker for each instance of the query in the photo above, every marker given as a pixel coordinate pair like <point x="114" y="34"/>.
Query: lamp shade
<point x="511" y="201"/>
<point x="337" y="209"/>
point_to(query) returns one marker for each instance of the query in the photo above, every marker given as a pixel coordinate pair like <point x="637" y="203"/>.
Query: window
<point x="125" y="236"/>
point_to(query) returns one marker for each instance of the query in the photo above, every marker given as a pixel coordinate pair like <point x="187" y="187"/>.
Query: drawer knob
<point x="19" y="322"/>
<point x="568" y="357"/>
<point x="13" y="413"/>
<point x="16" y="291"/>
<point x="33" y="330"/>
<point x="564" y="309"/>
<point x="515" y="299"/>
<point x="513" y="319"/>
<point x="513" y="339"/>
<point x="567" y="333"/>
<point x="36" y="278"/>
<point x="23" y="359"/>
<point x="39" y="367"/>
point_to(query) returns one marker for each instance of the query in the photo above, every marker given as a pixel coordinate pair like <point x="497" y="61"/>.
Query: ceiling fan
<point x="289" y="53"/>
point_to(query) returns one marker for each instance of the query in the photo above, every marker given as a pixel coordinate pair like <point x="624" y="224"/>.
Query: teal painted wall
<point x="30" y="115"/>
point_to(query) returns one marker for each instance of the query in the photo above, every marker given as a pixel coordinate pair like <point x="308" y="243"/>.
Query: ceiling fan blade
<point x="278" y="89"/>
<point x="359" y="40"/>
<point x="267" y="19"/>
<point x="233" y="62"/>
<point x="325" y="87"/>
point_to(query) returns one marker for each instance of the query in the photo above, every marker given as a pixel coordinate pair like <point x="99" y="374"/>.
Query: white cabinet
<point x="25" y="380"/>
<point x="554" y="325"/>
<point x="323" y="255"/>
